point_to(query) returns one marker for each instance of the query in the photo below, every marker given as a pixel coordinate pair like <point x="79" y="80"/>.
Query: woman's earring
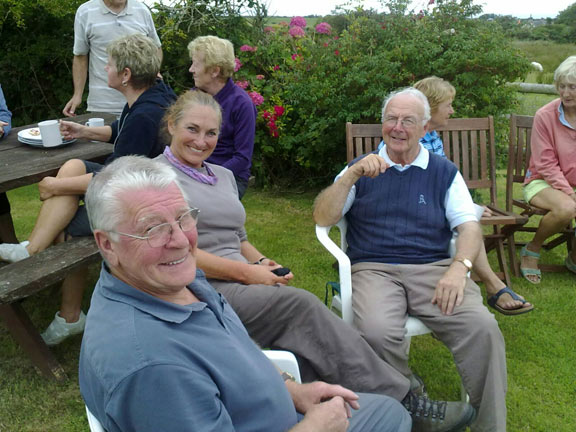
<point x="124" y="83"/>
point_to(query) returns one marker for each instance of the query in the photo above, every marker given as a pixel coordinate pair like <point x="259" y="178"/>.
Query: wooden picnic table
<point x="21" y="165"/>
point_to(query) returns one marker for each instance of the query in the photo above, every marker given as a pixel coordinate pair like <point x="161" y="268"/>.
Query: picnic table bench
<point x="22" y="279"/>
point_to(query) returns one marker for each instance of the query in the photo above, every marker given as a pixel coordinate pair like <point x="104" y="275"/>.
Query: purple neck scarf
<point x="209" y="178"/>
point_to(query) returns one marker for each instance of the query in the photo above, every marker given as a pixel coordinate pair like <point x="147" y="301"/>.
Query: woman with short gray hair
<point x="212" y="67"/>
<point x="133" y="66"/>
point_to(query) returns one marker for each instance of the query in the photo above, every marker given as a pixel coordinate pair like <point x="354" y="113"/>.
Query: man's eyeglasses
<point x="161" y="234"/>
<point x="406" y="122"/>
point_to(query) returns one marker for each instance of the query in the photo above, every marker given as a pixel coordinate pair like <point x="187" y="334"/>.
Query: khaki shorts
<point x="531" y="189"/>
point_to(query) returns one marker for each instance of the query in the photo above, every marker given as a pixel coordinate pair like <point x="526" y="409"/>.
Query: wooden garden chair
<point x="469" y="143"/>
<point x="518" y="159"/>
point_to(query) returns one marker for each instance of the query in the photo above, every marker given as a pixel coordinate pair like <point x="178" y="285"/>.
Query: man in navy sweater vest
<point x="402" y="205"/>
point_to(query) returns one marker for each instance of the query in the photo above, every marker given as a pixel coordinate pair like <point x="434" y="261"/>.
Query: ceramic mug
<point x="50" y="132"/>
<point x="94" y="122"/>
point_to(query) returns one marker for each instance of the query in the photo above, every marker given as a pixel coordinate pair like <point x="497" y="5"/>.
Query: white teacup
<point x="94" y="122"/>
<point x="50" y="132"/>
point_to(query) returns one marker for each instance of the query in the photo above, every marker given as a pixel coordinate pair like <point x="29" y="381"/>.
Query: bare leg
<point x="561" y="210"/>
<point x="72" y="292"/>
<point x="56" y="212"/>
<point x="493" y="283"/>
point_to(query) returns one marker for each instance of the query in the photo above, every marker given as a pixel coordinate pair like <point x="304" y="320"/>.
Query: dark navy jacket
<point x="138" y="130"/>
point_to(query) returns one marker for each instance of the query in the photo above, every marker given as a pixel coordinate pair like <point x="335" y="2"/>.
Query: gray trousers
<point x="378" y="413"/>
<point x="284" y="317"/>
<point x="383" y="296"/>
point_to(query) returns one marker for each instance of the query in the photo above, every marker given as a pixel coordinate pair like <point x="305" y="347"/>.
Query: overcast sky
<point x="518" y="8"/>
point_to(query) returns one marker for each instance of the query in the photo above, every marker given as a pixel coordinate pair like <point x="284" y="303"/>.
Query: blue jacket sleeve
<point x="167" y="397"/>
<point x="5" y="114"/>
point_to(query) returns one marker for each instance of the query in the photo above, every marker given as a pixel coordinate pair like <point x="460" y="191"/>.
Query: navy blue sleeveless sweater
<point x="399" y="217"/>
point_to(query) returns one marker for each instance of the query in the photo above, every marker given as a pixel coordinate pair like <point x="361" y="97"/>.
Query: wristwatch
<point x="467" y="263"/>
<point x="288" y="376"/>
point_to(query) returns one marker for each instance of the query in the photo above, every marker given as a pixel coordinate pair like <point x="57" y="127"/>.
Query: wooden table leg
<point x="24" y="332"/>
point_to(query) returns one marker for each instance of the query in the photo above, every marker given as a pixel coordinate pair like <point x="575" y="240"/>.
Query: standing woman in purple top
<point x="212" y="68"/>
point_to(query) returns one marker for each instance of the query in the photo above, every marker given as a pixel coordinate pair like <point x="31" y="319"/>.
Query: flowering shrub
<point x="323" y="28"/>
<point x="247" y="48"/>
<point x="298" y="21"/>
<point x="297" y="32"/>
<point x="309" y="83"/>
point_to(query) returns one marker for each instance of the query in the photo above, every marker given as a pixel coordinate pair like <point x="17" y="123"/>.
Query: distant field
<point x="310" y="21"/>
<point x="548" y="54"/>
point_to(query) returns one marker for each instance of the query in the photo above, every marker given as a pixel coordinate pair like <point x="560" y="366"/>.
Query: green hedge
<point x="309" y="84"/>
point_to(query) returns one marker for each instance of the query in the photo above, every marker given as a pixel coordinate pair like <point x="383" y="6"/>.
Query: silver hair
<point x="103" y="198"/>
<point x="566" y="72"/>
<point x="414" y="93"/>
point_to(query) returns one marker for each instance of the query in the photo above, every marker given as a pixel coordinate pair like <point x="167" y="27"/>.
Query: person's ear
<point x="215" y="72"/>
<point x="426" y="127"/>
<point x="171" y="127"/>
<point x="106" y="246"/>
<point x="126" y="75"/>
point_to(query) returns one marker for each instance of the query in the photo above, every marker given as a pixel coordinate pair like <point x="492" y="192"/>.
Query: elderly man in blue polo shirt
<point x="163" y="351"/>
<point x="402" y="204"/>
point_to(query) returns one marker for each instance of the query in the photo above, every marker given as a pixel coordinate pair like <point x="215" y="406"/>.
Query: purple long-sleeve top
<point x="236" y="140"/>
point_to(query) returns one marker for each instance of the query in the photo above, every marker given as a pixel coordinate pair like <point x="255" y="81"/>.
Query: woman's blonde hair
<point x="566" y="72"/>
<point x="189" y="100"/>
<point x="217" y="53"/>
<point x="139" y="54"/>
<point x="436" y="90"/>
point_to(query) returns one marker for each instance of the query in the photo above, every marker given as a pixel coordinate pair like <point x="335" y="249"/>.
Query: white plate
<point x="34" y="143"/>
<point x="30" y="134"/>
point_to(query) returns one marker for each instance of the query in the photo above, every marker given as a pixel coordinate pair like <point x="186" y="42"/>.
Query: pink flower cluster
<point x="298" y="21"/>
<point x="247" y="48"/>
<point x="257" y="98"/>
<point x="237" y="64"/>
<point x="269" y="29"/>
<point x="243" y="84"/>
<point x="297" y="32"/>
<point x="323" y="28"/>
<point x="271" y="119"/>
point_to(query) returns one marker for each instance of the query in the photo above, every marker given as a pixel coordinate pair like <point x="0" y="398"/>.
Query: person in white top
<point x="402" y="205"/>
<point x="97" y="23"/>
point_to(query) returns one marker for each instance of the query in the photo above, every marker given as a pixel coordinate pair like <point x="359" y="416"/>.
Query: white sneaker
<point x="12" y="252"/>
<point x="59" y="329"/>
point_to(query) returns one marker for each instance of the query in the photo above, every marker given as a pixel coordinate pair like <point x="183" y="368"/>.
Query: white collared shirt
<point x="458" y="203"/>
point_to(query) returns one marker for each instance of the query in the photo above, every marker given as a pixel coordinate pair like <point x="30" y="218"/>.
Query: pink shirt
<point x="553" y="147"/>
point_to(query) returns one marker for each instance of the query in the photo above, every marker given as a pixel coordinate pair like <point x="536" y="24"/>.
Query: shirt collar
<point x="421" y="160"/>
<point x="127" y="9"/>
<point x="116" y="290"/>
<point x="430" y="136"/>
<point x="561" y="116"/>
<point x="225" y="91"/>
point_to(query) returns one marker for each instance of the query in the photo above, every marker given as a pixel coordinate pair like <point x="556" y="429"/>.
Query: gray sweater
<point x="222" y="215"/>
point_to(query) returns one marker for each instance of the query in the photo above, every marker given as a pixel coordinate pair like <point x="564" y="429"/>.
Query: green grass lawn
<point x="541" y="357"/>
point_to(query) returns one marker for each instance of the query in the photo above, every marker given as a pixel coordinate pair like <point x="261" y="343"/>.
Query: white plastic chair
<point x="93" y="422"/>
<point x="284" y="360"/>
<point x="343" y="302"/>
